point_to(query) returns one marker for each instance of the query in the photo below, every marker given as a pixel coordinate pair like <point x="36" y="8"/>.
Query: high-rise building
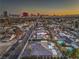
<point x="24" y="14"/>
<point x="5" y="14"/>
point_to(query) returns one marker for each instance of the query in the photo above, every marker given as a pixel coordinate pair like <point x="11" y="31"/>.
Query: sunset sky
<point x="58" y="7"/>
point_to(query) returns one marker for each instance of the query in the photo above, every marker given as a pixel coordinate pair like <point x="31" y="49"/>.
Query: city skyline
<point x="50" y="7"/>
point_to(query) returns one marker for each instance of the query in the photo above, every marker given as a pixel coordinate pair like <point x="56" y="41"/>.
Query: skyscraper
<point x="5" y="14"/>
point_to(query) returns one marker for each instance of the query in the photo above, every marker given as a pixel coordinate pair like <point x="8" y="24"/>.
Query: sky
<point x="58" y="7"/>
